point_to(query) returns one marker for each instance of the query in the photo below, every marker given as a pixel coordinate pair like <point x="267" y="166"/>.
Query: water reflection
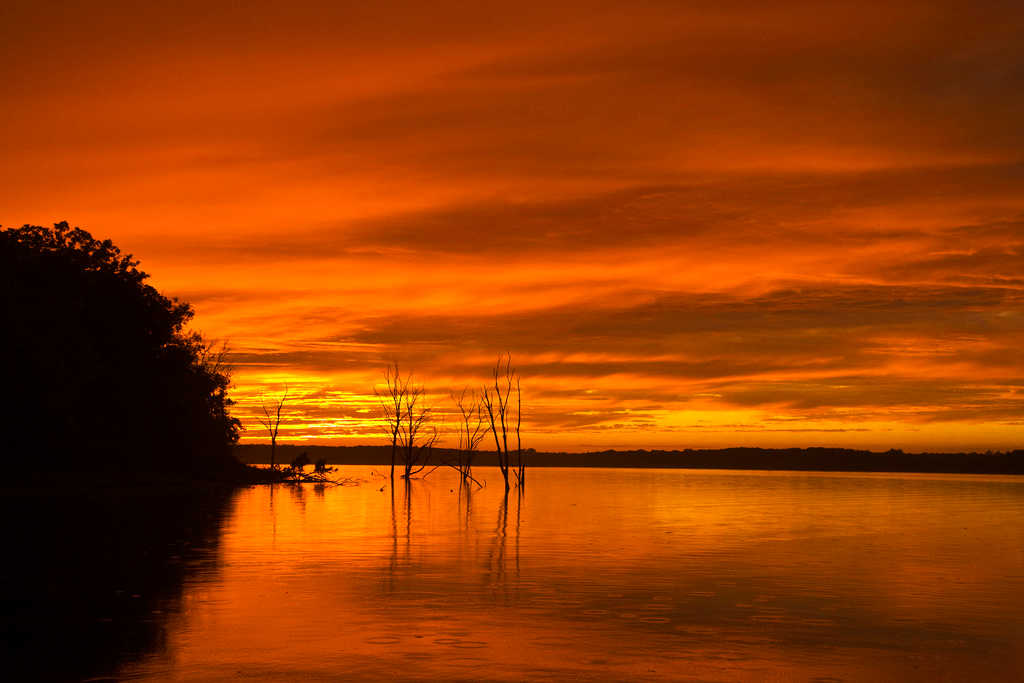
<point x="612" y="574"/>
<point x="94" y="581"/>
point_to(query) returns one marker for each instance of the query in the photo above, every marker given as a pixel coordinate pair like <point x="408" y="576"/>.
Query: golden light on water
<point x="610" y="574"/>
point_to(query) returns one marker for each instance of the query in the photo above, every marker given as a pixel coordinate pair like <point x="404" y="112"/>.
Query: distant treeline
<point x="809" y="459"/>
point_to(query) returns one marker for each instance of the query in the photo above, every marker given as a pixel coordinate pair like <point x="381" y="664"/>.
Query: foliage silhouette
<point x="101" y="367"/>
<point x="300" y="461"/>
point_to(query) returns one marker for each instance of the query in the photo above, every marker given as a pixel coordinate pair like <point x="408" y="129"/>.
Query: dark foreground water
<point x="593" y="574"/>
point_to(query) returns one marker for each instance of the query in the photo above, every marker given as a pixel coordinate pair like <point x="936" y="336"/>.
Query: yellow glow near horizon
<point x="690" y="226"/>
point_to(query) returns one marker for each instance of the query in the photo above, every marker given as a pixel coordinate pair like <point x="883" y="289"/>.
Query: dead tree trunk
<point x="416" y="448"/>
<point x="520" y="458"/>
<point x="272" y="422"/>
<point x="406" y="418"/>
<point x="392" y="399"/>
<point x="497" y="402"/>
<point x="472" y="430"/>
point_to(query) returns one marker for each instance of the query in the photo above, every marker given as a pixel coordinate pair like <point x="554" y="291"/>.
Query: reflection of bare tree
<point x="498" y="558"/>
<point x="398" y="560"/>
<point x="519" y="509"/>
<point x="466" y="506"/>
<point x="393" y="565"/>
<point x="408" y="520"/>
<point x="273" y="518"/>
<point x="298" y="496"/>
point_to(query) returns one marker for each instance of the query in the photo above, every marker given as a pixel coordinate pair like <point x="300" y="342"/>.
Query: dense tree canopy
<point x="99" y="366"/>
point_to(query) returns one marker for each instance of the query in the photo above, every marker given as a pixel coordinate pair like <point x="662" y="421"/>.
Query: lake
<point x="599" y="574"/>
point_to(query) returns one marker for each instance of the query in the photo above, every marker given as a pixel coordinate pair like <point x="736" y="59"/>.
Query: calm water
<point x="608" y="574"/>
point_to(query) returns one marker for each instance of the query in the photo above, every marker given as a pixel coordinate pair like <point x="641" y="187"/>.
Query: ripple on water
<point x="788" y="575"/>
<point x="382" y="640"/>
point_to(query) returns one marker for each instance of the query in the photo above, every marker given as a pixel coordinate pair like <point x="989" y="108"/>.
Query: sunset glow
<point x="691" y="224"/>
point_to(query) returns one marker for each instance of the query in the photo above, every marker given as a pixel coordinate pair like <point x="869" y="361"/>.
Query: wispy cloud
<point x="691" y="224"/>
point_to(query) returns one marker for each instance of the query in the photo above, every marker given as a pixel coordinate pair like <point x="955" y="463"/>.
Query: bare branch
<point x="272" y="423"/>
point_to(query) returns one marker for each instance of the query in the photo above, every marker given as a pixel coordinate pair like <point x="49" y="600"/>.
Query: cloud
<point x="726" y="216"/>
<point x="671" y="213"/>
<point x="831" y="353"/>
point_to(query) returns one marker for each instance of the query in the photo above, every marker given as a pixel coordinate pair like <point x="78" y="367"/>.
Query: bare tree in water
<point x="472" y="430"/>
<point x="520" y="454"/>
<point x="417" y="436"/>
<point x="406" y="417"/>
<point x="505" y="418"/>
<point x="392" y="400"/>
<point x="272" y="421"/>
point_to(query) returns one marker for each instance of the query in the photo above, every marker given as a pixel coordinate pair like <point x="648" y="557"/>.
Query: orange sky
<point x="702" y="224"/>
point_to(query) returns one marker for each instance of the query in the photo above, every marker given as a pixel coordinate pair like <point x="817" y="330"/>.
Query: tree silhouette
<point x="407" y="419"/>
<point x="472" y="430"/>
<point x="271" y="420"/>
<point x="503" y="418"/>
<point x="101" y="366"/>
<point x="392" y="399"/>
<point x="416" y="436"/>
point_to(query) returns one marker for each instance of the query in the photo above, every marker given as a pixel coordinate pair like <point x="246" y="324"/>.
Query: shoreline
<point x="769" y="459"/>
